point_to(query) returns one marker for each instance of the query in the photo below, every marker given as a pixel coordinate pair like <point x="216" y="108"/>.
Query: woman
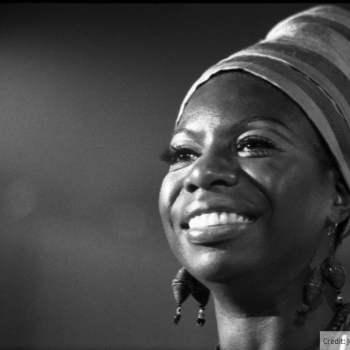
<point x="257" y="195"/>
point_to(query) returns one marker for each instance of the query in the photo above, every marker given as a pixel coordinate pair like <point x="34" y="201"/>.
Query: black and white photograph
<point x="174" y="176"/>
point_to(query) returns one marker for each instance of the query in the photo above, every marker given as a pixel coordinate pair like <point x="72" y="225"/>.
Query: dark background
<point x="89" y="96"/>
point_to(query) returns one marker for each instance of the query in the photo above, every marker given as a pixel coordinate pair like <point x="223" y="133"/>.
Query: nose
<point x="212" y="170"/>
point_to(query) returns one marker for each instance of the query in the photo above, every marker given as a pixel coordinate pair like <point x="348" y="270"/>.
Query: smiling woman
<point x="257" y="195"/>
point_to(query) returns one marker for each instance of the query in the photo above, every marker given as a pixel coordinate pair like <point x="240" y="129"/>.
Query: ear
<point x="341" y="200"/>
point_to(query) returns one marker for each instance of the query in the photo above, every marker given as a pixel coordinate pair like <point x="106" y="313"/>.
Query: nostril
<point x="191" y="188"/>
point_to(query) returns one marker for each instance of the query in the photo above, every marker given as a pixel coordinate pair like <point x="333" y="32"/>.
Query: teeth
<point x="215" y="219"/>
<point x="223" y="218"/>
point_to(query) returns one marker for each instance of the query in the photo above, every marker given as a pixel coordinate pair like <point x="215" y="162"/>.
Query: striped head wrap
<point x="308" y="57"/>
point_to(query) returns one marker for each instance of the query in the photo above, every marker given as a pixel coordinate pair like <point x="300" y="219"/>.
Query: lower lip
<point x="216" y="234"/>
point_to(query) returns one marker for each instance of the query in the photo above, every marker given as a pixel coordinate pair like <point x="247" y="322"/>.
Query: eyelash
<point x="256" y="146"/>
<point x="178" y="154"/>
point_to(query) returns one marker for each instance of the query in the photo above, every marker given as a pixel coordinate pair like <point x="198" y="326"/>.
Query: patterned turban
<point x="308" y="57"/>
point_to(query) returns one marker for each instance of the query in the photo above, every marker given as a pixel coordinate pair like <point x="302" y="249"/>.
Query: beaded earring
<point x="185" y="284"/>
<point x="331" y="271"/>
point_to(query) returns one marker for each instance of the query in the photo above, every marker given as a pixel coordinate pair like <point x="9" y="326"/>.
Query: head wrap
<point x="308" y="57"/>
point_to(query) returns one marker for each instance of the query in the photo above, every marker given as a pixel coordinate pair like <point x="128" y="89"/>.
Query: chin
<point x="220" y="265"/>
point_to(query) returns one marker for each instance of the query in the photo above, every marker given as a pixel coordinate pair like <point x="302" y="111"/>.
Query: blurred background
<point x="89" y="95"/>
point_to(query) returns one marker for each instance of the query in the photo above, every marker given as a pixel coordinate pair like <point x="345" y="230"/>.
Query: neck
<point x="263" y="318"/>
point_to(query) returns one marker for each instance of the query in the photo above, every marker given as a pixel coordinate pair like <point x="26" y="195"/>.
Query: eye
<point x="255" y="146"/>
<point x="178" y="154"/>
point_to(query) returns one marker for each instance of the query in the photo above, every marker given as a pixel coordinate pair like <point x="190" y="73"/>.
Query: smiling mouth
<point x="217" y="219"/>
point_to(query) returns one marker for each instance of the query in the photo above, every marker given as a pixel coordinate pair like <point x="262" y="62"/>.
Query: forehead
<point x="233" y="96"/>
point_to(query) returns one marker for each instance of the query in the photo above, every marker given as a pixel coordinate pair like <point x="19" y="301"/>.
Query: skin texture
<point x="243" y="146"/>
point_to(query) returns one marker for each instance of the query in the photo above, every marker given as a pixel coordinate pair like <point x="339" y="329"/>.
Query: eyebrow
<point x="243" y="123"/>
<point x="184" y="130"/>
<point x="240" y="125"/>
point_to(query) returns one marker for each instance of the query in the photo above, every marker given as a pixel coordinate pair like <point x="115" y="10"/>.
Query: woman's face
<point x="244" y="192"/>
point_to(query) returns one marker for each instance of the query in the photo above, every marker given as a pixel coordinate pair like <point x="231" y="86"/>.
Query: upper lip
<point x="205" y="207"/>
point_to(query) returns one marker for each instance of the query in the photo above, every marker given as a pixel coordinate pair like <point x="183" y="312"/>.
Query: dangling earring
<point x="334" y="271"/>
<point x="201" y="293"/>
<point x="330" y="270"/>
<point x="185" y="284"/>
<point x="313" y="289"/>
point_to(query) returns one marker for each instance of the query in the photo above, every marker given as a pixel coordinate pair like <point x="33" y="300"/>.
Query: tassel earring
<point x="183" y="285"/>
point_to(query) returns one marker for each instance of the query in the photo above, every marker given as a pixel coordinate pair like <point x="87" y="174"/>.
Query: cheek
<point x="298" y="210"/>
<point x="169" y="192"/>
<point x="170" y="206"/>
<point x="297" y="195"/>
<point x="289" y="178"/>
<point x="272" y="177"/>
